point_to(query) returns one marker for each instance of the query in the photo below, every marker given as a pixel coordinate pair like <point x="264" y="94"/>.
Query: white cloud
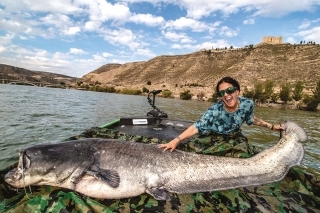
<point x="249" y="21"/>
<point x="48" y="33"/>
<point x="305" y="24"/>
<point x="310" y="35"/>
<point x="60" y="55"/>
<point x="187" y="23"/>
<point x="98" y="57"/>
<point x="101" y="10"/>
<point x="198" y="9"/>
<point x="106" y="55"/>
<point x="48" y="26"/>
<point x="122" y="36"/>
<point x="61" y="24"/>
<point x="35" y="30"/>
<point x="226" y="31"/>
<point x="92" y="25"/>
<point x="12" y="25"/>
<point x="221" y="43"/>
<point x="2" y="48"/>
<point x="77" y="51"/>
<point x="42" y="60"/>
<point x="273" y="8"/>
<point x="147" y="19"/>
<point x="72" y="30"/>
<point x="57" y="20"/>
<point x="60" y="6"/>
<point x="291" y="40"/>
<point x="186" y="40"/>
<point x="41" y="53"/>
<point x="144" y="52"/>
<point x="177" y="37"/>
<point x="6" y="38"/>
<point x="176" y="46"/>
<point x="37" y="59"/>
<point x="28" y="30"/>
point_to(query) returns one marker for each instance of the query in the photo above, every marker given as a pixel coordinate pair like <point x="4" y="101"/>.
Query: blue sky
<point x="75" y="37"/>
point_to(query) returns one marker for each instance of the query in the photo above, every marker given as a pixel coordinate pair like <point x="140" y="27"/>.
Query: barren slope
<point x="280" y="63"/>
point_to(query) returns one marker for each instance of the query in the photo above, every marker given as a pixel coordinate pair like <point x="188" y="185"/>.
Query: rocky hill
<point x="10" y="74"/>
<point x="278" y="62"/>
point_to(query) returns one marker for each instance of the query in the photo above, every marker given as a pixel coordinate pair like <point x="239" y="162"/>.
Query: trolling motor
<point x="155" y="112"/>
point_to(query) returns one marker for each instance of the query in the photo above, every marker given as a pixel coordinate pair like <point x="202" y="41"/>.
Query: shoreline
<point x="286" y="106"/>
<point x="195" y="98"/>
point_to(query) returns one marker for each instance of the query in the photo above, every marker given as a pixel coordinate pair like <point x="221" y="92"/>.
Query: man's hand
<point x="172" y="145"/>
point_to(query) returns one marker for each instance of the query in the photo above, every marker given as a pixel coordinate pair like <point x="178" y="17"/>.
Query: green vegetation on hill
<point x="264" y="93"/>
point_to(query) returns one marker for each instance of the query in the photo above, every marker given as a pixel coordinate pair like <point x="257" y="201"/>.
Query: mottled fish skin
<point x="106" y="168"/>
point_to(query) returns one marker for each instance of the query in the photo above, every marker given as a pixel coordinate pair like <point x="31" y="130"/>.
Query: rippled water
<point x="31" y="115"/>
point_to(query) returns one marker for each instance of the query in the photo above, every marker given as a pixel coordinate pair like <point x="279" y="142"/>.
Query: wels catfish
<point x="106" y="168"/>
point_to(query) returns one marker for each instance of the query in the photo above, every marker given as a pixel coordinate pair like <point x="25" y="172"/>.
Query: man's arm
<point x="259" y="122"/>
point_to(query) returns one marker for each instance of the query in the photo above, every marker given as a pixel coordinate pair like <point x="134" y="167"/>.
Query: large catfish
<point x="105" y="168"/>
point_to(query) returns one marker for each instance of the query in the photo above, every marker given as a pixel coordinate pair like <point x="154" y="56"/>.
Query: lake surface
<point x="33" y="115"/>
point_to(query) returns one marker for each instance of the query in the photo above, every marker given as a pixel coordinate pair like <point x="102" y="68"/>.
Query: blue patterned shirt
<point x="217" y="119"/>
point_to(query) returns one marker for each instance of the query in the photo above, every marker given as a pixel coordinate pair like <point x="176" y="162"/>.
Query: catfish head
<point x="52" y="164"/>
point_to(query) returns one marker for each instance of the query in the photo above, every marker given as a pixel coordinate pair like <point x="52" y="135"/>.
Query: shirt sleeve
<point x="203" y="124"/>
<point x="249" y="117"/>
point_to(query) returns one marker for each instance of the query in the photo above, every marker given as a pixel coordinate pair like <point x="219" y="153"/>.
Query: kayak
<point x="299" y="191"/>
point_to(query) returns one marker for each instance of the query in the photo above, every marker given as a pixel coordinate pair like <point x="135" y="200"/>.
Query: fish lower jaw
<point x="12" y="176"/>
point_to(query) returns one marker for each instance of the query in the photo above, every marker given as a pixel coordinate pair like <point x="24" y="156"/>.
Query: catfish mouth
<point x="18" y="173"/>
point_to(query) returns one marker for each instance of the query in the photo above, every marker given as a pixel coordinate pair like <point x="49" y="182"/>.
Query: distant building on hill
<point x="272" y="40"/>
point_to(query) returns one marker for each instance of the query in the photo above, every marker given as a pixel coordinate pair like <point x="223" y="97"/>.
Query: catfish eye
<point x="26" y="161"/>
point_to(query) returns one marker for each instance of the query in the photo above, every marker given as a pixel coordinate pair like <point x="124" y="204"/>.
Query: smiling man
<point x="224" y="118"/>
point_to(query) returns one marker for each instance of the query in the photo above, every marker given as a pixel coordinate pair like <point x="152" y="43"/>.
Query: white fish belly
<point x="91" y="187"/>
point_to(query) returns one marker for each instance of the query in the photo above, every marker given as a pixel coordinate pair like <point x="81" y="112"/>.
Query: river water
<point x="33" y="115"/>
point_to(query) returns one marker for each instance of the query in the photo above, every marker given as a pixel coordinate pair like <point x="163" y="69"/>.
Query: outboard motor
<point x="156" y="113"/>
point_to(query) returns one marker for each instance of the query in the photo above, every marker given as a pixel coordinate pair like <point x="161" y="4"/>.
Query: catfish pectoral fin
<point x="76" y="175"/>
<point x="110" y="177"/>
<point x="158" y="194"/>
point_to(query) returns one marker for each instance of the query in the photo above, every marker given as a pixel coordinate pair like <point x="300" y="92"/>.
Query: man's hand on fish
<point x="172" y="145"/>
<point x="191" y="131"/>
<point x="277" y="128"/>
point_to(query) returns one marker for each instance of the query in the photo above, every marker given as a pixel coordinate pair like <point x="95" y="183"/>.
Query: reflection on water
<point x="30" y="115"/>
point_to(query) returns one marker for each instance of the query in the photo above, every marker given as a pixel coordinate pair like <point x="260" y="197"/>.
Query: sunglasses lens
<point x="230" y="90"/>
<point x="221" y="93"/>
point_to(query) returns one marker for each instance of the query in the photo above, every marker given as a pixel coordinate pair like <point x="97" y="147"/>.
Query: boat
<point x="299" y="191"/>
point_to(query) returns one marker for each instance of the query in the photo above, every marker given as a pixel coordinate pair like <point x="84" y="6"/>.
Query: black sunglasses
<point x="229" y="91"/>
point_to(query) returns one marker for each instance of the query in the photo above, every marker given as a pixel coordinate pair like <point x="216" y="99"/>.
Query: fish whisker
<point x="24" y="183"/>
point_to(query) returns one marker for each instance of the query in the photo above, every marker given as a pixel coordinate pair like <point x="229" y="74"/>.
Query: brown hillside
<point x="278" y="62"/>
<point x="16" y="74"/>
<point x="107" y="73"/>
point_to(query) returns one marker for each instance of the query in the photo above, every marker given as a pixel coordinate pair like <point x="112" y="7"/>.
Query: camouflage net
<point x="299" y="191"/>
